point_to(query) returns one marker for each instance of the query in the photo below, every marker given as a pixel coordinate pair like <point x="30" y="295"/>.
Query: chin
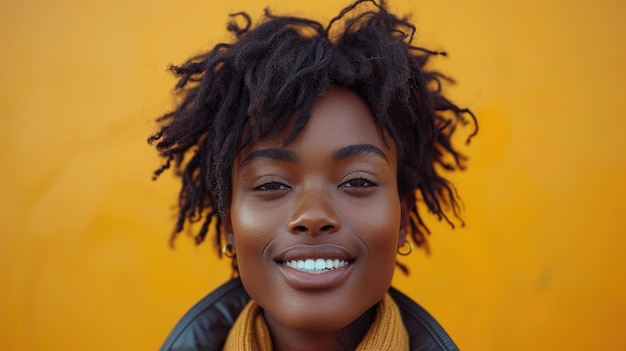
<point x="317" y="322"/>
<point x="319" y="314"/>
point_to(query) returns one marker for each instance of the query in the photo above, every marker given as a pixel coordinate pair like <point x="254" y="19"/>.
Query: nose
<point x="314" y="214"/>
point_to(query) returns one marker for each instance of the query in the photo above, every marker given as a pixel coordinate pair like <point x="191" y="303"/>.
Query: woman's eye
<point x="358" y="183"/>
<point x="271" y="186"/>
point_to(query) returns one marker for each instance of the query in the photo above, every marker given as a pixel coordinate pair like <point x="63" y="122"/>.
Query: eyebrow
<point x="350" y="151"/>
<point x="358" y="150"/>
<point x="271" y="154"/>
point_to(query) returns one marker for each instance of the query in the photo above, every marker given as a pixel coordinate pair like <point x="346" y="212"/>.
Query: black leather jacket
<point x="206" y="325"/>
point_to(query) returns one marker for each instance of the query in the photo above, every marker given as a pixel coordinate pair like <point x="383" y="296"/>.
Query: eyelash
<point x="367" y="183"/>
<point x="276" y="186"/>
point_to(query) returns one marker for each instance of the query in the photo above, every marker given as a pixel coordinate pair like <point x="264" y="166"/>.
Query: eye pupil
<point x="272" y="186"/>
<point x="358" y="182"/>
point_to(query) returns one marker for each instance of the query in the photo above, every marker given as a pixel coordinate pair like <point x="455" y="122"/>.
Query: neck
<point x="346" y="339"/>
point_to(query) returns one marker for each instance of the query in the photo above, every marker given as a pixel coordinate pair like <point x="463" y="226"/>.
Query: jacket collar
<point x="206" y="325"/>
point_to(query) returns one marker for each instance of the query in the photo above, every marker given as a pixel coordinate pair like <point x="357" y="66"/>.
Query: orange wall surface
<point x="84" y="258"/>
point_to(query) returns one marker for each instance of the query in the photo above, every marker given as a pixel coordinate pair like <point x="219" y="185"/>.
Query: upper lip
<point x="325" y="251"/>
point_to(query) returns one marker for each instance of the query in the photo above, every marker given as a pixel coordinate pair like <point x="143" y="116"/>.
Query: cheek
<point x="250" y="232"/>
<point x="378" y="227"/>
<point x="254" y="227"/>
<point x="381" y="222"/>
<point x="253" y="221"/>
<point x="249" y="243"/>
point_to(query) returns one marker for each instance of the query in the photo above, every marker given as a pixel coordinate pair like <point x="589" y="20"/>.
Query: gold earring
<point x="229" y="251"/>
<point x="405" y="253"/>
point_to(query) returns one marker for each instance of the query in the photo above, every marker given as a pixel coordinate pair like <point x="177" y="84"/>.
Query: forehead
<point x="338" y="118"/>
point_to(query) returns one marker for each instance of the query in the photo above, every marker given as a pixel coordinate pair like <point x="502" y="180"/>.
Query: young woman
<point x="306" y="147"/>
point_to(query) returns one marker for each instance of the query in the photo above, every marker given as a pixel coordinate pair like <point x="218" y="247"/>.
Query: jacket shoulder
<point x="425" y="333"/>
<point x="206" y="325"/>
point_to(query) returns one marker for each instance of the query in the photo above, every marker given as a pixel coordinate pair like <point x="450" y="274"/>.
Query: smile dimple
<point x="315" y="266"/>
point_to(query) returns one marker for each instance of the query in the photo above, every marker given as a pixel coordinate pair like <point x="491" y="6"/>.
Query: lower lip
<point x="307" y="281"/>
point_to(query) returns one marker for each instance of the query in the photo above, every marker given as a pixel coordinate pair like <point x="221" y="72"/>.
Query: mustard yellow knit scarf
<point x="387" y="333"/>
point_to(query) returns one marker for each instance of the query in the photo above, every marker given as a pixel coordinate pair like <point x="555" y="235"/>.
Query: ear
<point x="406" y="206"/>
<point x="227" y="226"/>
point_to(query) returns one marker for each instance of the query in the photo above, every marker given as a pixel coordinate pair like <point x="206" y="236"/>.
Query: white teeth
<point x="315" y="266"/>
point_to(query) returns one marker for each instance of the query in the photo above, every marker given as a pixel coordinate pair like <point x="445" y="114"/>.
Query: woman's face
<point x="316" y="224"/>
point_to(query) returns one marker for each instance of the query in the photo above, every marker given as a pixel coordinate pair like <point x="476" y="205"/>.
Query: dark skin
<point x="330" y="197"/>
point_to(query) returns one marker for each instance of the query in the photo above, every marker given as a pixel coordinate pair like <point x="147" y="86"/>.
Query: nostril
<point x="327" y="228"/>
<point x="304" y="229"/>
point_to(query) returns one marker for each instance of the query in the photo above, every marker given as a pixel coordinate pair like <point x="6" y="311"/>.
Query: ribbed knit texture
<point x="249" y="333"/>
<point x="387" y="333"/>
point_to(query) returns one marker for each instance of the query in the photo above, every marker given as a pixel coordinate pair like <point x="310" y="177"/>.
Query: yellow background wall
<point x="84" y="261"/>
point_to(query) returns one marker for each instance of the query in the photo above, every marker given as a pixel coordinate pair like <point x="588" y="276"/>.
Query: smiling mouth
<point x="316" y="266"/>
